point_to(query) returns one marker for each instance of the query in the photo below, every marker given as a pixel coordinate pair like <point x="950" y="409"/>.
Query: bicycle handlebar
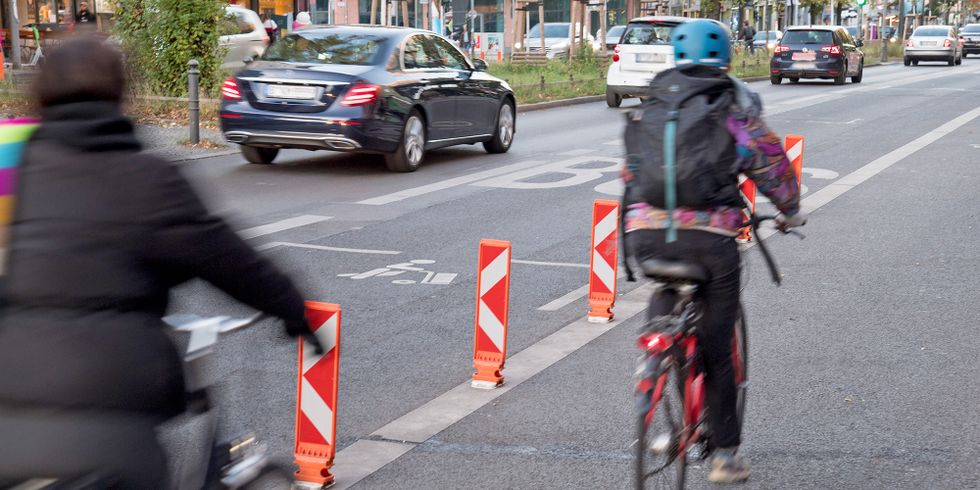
<point x="754" y="221"/>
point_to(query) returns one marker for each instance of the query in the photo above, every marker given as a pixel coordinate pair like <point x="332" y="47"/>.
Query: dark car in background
<point x="824" y="52"/>
<point x="970" y="38"/>
<point x="392" y="91"/>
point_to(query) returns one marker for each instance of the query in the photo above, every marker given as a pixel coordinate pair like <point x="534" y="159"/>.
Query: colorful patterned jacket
<point x="760" y="158"/>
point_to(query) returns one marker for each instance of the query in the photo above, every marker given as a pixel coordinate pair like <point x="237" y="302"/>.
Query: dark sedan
<point x="817" y="52"/>
<point x="970" y="36"/>
<point x="393" y="91"/>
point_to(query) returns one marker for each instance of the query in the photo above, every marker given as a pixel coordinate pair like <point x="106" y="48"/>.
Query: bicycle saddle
<point x="673" y="271"/>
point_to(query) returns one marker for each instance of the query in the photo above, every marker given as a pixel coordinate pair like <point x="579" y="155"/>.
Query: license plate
<point x="928" y="43"/>
<point x="650" y="58"/>
<point x="811" y="56"/>
<point x="290" y="92"/>
<point x="804" y="66"/>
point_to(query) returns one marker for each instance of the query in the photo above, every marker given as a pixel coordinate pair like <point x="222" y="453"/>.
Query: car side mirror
<point x="248" y="60"/>
<point x="480" y="65"/>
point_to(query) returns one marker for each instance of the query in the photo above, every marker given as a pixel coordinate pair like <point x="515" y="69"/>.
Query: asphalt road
<point x="863" y="365"/>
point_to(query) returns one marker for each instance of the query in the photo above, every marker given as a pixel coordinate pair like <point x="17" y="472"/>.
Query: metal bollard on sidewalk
<point x="194" y="103"/>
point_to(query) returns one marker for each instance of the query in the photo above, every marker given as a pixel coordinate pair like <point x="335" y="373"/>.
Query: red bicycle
<point x="670" y="396"/>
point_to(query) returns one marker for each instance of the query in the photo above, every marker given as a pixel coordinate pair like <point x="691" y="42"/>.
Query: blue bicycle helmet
<point x="702" y="42"/>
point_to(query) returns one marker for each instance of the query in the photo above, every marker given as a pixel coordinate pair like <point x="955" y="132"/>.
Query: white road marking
<point x="447" y="184"/>
<point x="364" y="457"/>
<point x="267" y="246"/>
<point x="569" y="168"/>
<point x="571" y="297"/>
<point x="281" y="225"/>
<point x="548" y="264"/>
<point x="578" y="152"/>
<point x="617" y="142"/>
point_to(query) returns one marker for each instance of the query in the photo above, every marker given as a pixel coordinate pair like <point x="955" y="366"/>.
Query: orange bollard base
<point x="313" y="473"/>
<point x="744" y="236"/>
<point x="600" y="314"/>
<point x="487" y="375"/>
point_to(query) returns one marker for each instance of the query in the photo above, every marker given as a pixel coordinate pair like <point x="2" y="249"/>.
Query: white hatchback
<point x="643" y="52"/>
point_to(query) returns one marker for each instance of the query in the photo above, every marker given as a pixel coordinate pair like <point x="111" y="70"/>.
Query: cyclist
<point x="706" y="235"/>
<point x="101" y="235"/>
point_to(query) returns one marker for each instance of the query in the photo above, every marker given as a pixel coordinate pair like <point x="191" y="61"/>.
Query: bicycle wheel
<point x="740" y="362"/>
<point x="658" y="460"/>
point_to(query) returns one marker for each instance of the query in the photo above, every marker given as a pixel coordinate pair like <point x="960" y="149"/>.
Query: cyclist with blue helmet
<point x="738" y="142"/>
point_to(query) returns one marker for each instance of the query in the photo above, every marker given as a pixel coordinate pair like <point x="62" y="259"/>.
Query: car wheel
<point x="907" y="61"/>
<point x="857" y="78"/>
<point x="794" y="80"/>
<point x="613" y="99"/>
<point x="775" y="80"/>
<point x="411" y="150"/>
<point x="842" y="78"/>
<point x="259" y="155"/>
<point x="504" y="135"/>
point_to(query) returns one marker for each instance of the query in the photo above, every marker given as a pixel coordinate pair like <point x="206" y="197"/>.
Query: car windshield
<point x="615" y="32"/>
<point x="327" y="48"/>
<point x="971" y="29"/>
<point x="808" y="37"/>
<point x="648" y="33"/>
<point x="931" y="32"/>
<point x="550" y="30"/>
<point x="761" y="36"/>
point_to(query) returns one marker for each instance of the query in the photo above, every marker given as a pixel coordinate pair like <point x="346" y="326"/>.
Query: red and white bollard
<point x="794" y="151"/>
<point x="603" y="263"/>
<point x="492" y="299"/>
<point x="746" y="189"/>
<point x="316" y="397"/>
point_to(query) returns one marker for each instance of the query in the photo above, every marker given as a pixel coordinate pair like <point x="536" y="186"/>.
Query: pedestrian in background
<point x="747" y="36"/>
<point x="302" y="20"/>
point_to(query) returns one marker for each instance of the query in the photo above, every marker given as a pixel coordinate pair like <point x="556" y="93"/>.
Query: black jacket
<point x="101" y="234"/>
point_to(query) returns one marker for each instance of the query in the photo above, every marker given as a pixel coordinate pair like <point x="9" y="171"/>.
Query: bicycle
<point x="669" y="389"/>
<point x="238" y="463"/>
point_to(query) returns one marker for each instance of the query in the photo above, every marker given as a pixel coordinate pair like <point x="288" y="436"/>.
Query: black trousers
<point x="720" y="297"/>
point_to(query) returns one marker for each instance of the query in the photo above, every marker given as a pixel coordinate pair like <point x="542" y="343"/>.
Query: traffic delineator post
<point x="746" y="189"/>
<point x="316" y="397"/>
<point x="603" y="262"/>
<point x="492" y="298"/>
<point x="794" y="151"/>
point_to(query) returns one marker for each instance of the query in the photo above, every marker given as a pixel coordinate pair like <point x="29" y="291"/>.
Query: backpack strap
<point x="670" y="173"/>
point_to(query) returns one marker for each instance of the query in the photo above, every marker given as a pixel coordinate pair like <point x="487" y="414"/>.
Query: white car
<point x="644" y="51"/>
<point x="555" y="39"/>
<point x="242" y="35"/>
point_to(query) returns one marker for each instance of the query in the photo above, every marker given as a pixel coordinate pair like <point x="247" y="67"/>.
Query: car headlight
<point x="518" y="45"/>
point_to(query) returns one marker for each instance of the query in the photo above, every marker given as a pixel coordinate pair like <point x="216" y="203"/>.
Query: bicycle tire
<point x="740" y="354"/>
<point x="657" y="419"/>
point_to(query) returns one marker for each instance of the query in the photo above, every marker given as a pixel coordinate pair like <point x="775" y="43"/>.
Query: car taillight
<point x="782" y="49"/>
<point x="947" y="44"/>
<point x="361" y="94"/>
<point x="616" y="51"/>
<point x="229" y="90"/>
<point x="835" y="50"/>
<point x="910" y="43"/>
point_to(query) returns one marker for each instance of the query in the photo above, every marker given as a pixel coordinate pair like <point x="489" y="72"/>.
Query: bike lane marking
<point x="447" y="184"/>
<point x="368" y="455"/>
<point x="281" y="225"/>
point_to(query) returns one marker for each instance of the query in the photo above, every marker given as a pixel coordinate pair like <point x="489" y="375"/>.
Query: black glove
<point x="302" y="329"/>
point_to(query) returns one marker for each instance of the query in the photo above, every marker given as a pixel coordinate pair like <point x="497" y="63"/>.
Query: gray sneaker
<point x="728" y="467"/>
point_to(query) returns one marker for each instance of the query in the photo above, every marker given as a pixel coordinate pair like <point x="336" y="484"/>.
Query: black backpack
<point x="684" y="120"/>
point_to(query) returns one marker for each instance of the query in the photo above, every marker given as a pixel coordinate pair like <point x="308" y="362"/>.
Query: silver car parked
<point x="242" y="35"/>
<point x="934" y="43"/>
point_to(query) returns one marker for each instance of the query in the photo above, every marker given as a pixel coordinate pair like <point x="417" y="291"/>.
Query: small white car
<point x="242" y="35"/>
<point x="643" y="52"/>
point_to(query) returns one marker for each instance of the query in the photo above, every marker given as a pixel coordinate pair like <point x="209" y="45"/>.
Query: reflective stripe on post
<point x="604" y="252"/>
<point x="492" y="298"/>
<point x="794" y="151"/>
<point x="746" y="189"/>
<point x="316" y="396"/>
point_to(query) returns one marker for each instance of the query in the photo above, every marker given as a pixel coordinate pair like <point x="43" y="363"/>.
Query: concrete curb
<point x="551" y="104"/>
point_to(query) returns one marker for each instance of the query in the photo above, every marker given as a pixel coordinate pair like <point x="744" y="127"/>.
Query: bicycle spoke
<point x="659" y="463"/>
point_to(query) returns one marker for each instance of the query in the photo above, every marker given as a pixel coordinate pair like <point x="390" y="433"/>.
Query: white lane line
<point x="267" y="246"/>
<point x="365" y="456"/>
<point x="578" y="152"/>
<point x="826" y="194"/>
<point x="281" y="225"/>
<point x="551" y="264"/>
<point x="448" y="183"/>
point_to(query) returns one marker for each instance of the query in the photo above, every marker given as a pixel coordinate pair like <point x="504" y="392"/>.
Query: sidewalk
<point x="167" y="143"/>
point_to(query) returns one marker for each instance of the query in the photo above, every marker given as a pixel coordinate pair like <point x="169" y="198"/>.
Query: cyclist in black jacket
<point x="101" y="234"/>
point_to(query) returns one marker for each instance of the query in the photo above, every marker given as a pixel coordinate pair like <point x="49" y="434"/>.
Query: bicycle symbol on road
<point x="436" y="278"/>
